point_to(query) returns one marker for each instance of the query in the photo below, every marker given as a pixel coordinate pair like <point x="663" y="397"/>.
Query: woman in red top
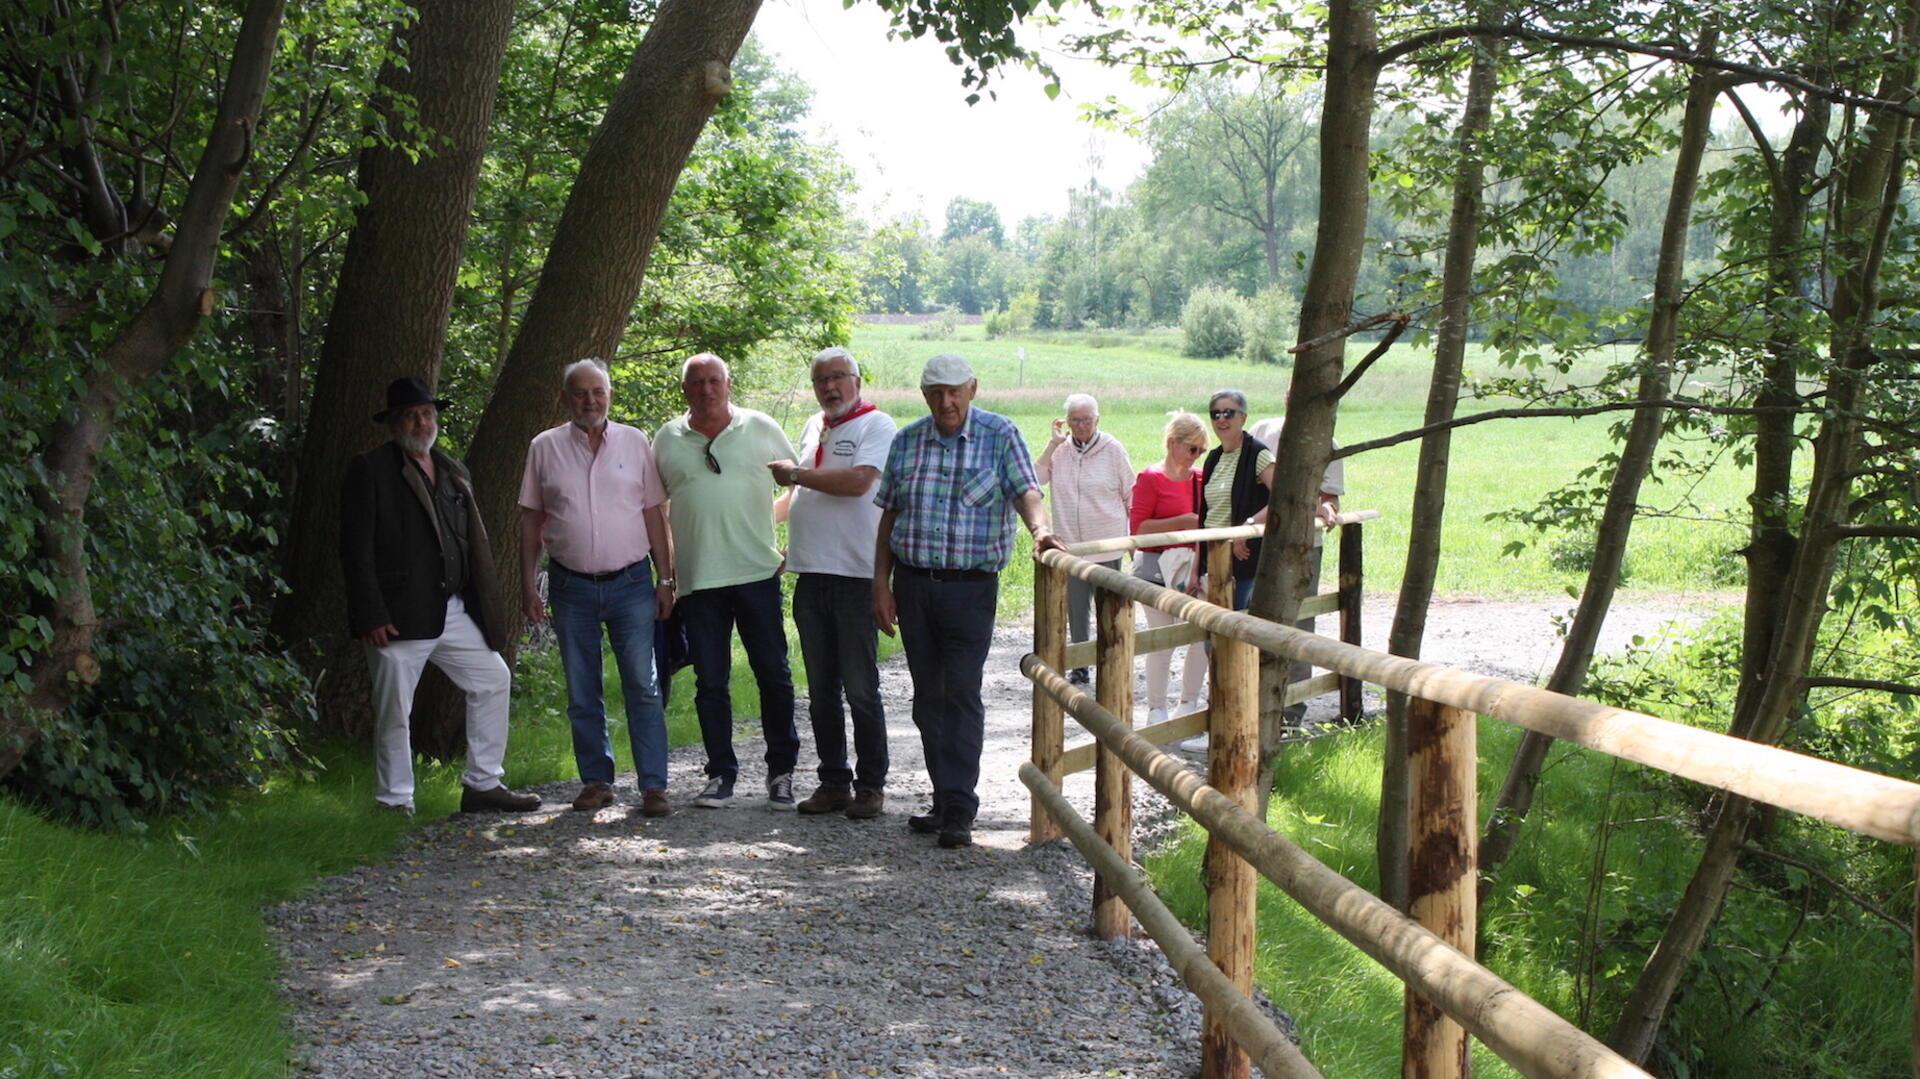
<point x="1164" y="501"/>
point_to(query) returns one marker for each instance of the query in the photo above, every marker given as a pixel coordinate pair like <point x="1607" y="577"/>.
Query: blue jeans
<point x="947" y="629"/>
<point x="625" y="606"/>
<point x="833" y="617"/>
<point x="712" y="615"/>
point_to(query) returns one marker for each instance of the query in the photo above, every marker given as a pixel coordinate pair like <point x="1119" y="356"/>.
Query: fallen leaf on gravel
<point x="454" y="963"/>
<point x="395" y="998"/>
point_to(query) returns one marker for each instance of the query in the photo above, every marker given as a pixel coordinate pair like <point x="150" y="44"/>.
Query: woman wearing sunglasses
<point x="1165" y="497"/>
<point x="1239" y="482"/>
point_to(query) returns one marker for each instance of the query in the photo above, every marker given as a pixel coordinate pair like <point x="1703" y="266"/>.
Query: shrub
<point x="1015" y="317"/>
<point x="1270" y="325"/>
<point x="939" y="328"/>
<point x="1212" y="323"/>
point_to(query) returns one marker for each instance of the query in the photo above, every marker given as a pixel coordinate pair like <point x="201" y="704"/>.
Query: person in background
<point x="1238" y="485"/>
<point x="1333" y="484"/>
<point x="1092" y="484"/>
<point x="592" y="499"/>
<point x="713" y="462"/>
<point x="954" y="481"/>
<point x="420" y="589"/>
<point x="1165" y="497"/>
<point x="831" y="522"/>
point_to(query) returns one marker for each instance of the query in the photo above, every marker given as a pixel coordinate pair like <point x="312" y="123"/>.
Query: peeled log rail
<point x="1278" y="1057"/>
<point x="1201" y="535"/>
<point x="1522" y="1031"/>
<point x="1857" y="800"/>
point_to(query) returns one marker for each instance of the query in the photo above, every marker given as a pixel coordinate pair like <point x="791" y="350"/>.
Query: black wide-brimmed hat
<point x="404" y="393"/>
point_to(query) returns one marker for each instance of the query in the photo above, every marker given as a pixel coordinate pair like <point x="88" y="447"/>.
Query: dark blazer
<point x="390" y="549"/>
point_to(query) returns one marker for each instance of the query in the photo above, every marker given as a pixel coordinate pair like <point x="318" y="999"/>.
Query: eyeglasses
<point x="830" y="378"/>
<point x="1224" y="413"/>
<point x="1195" y="450"/>
<point x="712" y="464"/>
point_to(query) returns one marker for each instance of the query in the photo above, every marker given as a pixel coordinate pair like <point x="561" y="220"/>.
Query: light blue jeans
<point x="624" y="604"/>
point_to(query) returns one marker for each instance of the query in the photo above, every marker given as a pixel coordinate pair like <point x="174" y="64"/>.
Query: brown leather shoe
<point x="496" y="800"/>
<point x="593" y="796"/>
<point x="827" y="799"/>
<point x="655" y="804"/>
<point x="868" y="803"/>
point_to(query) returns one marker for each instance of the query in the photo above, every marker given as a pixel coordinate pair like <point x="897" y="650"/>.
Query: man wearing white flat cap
<point x="953" y="483"/>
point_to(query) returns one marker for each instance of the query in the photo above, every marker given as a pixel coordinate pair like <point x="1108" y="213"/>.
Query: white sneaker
<point x="1156" y="716"/>
<point x="1187" y="708"/>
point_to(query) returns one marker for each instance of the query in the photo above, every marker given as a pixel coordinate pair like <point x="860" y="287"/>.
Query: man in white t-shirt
<point x="831" y="524"/>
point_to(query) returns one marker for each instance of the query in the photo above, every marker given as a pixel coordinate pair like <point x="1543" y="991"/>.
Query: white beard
<point x="417" y="447"/>
<point x="589" y="425"/>
<point x="841" y="409"/>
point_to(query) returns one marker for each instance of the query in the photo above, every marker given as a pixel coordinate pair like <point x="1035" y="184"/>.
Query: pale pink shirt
<point x="593" y="502"/>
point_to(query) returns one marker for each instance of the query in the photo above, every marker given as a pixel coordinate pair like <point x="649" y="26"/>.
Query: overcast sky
<point x="899" y="115"/>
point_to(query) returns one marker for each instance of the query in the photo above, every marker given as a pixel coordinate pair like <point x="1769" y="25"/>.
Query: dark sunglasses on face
<point x="1224" y="413"/>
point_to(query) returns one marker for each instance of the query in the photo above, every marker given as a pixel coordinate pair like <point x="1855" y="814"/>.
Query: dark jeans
<point x="624" y="604"/>
<point x="712" y="615"/>
<point x="833" y="616"/>
<point x="947" y="628"/>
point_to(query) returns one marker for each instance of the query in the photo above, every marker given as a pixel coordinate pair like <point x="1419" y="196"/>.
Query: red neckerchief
<point x="828" y="423"/>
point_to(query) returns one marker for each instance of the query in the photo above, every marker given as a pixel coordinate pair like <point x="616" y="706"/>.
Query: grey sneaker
<point x="780" y="792"/>
<point x="716" y="794"/>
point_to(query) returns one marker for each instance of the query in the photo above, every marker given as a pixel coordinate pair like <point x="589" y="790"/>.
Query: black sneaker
<point x="780" y="793"/>
<point x="716" y="794"/>
<point x="956" y="828"/>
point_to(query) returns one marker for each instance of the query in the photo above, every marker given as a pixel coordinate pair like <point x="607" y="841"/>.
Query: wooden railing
<point x="1449" y="996"/>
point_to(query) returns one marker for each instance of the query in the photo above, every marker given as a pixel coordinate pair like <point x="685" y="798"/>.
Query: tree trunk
<point x="598" y="259"/>
<point x="183" y="297"/>
<point x="1867" y="178"/>
<point x="1306" y="442"/>
<point x="389" y="317"/>
<point x="1636" y="459"/>
<point x="1430" y="486"/>
<point x="1771" y="543"/>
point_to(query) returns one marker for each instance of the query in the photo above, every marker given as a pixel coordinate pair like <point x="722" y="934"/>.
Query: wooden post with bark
<point x="1233" y="765"/>
<point x="1112" y="782"/>
<point x="1442" y="884"/>
<point x="1050" y="647"/>
<point x="1352" y="703"/>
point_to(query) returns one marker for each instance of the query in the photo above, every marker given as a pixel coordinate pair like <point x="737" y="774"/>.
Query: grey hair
<point x="1239" y="399"/>
<point x="1075" y="400"/>
<point x="704" y="357"/>
<point x="835" y="353"/>
<point x="590" y="363"/>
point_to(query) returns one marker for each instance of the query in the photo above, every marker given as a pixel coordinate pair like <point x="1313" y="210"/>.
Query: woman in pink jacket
<point x="1091" y="480"/>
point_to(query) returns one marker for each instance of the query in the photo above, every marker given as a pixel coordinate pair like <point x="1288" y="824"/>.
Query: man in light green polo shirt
<point x="713" y="463"/>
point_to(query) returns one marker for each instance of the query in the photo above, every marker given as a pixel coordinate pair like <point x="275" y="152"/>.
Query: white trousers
<point x="462" y="653"/>
<point x="1193" y="675"/>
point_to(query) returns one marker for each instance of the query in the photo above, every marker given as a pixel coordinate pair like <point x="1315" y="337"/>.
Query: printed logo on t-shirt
<point x="844" y="447"/>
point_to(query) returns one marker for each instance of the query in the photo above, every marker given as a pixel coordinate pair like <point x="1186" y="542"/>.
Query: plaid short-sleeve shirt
<point x="953" y="496"/>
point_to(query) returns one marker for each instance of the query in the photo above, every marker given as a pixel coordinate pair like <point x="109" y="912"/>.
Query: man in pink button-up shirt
<point x="591" y="496"/>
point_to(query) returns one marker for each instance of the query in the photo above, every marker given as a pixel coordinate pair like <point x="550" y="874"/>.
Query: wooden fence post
<point x="1112" y="782"/>
<point x="1050" y="645"/>
<point x="1352" y="704"/>
<point x="1442" y="884"/>
<point x="1233" y="764"/>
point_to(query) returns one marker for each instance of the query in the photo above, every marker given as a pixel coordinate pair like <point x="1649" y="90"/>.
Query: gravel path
<point x="743" y="942"/>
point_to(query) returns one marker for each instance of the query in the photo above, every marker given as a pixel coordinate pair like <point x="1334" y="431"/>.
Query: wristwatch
<point x="665" y="582"/>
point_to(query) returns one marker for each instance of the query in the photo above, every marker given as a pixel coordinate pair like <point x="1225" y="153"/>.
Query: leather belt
<point x="597" y="578"/>
<point x="948" y="574"/>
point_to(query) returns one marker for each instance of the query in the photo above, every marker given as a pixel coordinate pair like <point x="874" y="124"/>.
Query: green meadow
<point x="1499" y="465"/>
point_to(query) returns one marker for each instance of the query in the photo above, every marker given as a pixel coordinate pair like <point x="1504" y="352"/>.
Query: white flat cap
<point x="946" y="369"/>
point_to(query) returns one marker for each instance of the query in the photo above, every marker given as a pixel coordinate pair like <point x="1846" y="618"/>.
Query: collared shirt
<point x="593" y="501"/>
<point x="953" y="495"/>
<point x="834" y="533"/>
<point x="1092" y="485"/>
<point x="722" y="521"/>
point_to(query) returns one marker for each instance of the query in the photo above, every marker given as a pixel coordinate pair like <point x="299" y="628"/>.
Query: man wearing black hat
<point x="420" y="589"/>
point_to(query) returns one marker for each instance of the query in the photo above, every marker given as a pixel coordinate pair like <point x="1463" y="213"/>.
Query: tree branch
<point x="1358" y="327"/>
<point x="1846" y="532"/>
<point x="1874" y="684"/>
<point x="1676" y="54"/>
<point x="1818" y="874"/>
<point x="1400" y="322"/>
<point x="1677" y="404"/>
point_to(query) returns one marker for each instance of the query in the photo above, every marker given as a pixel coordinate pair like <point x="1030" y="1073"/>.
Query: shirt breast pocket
<point x="978" y="485"/>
